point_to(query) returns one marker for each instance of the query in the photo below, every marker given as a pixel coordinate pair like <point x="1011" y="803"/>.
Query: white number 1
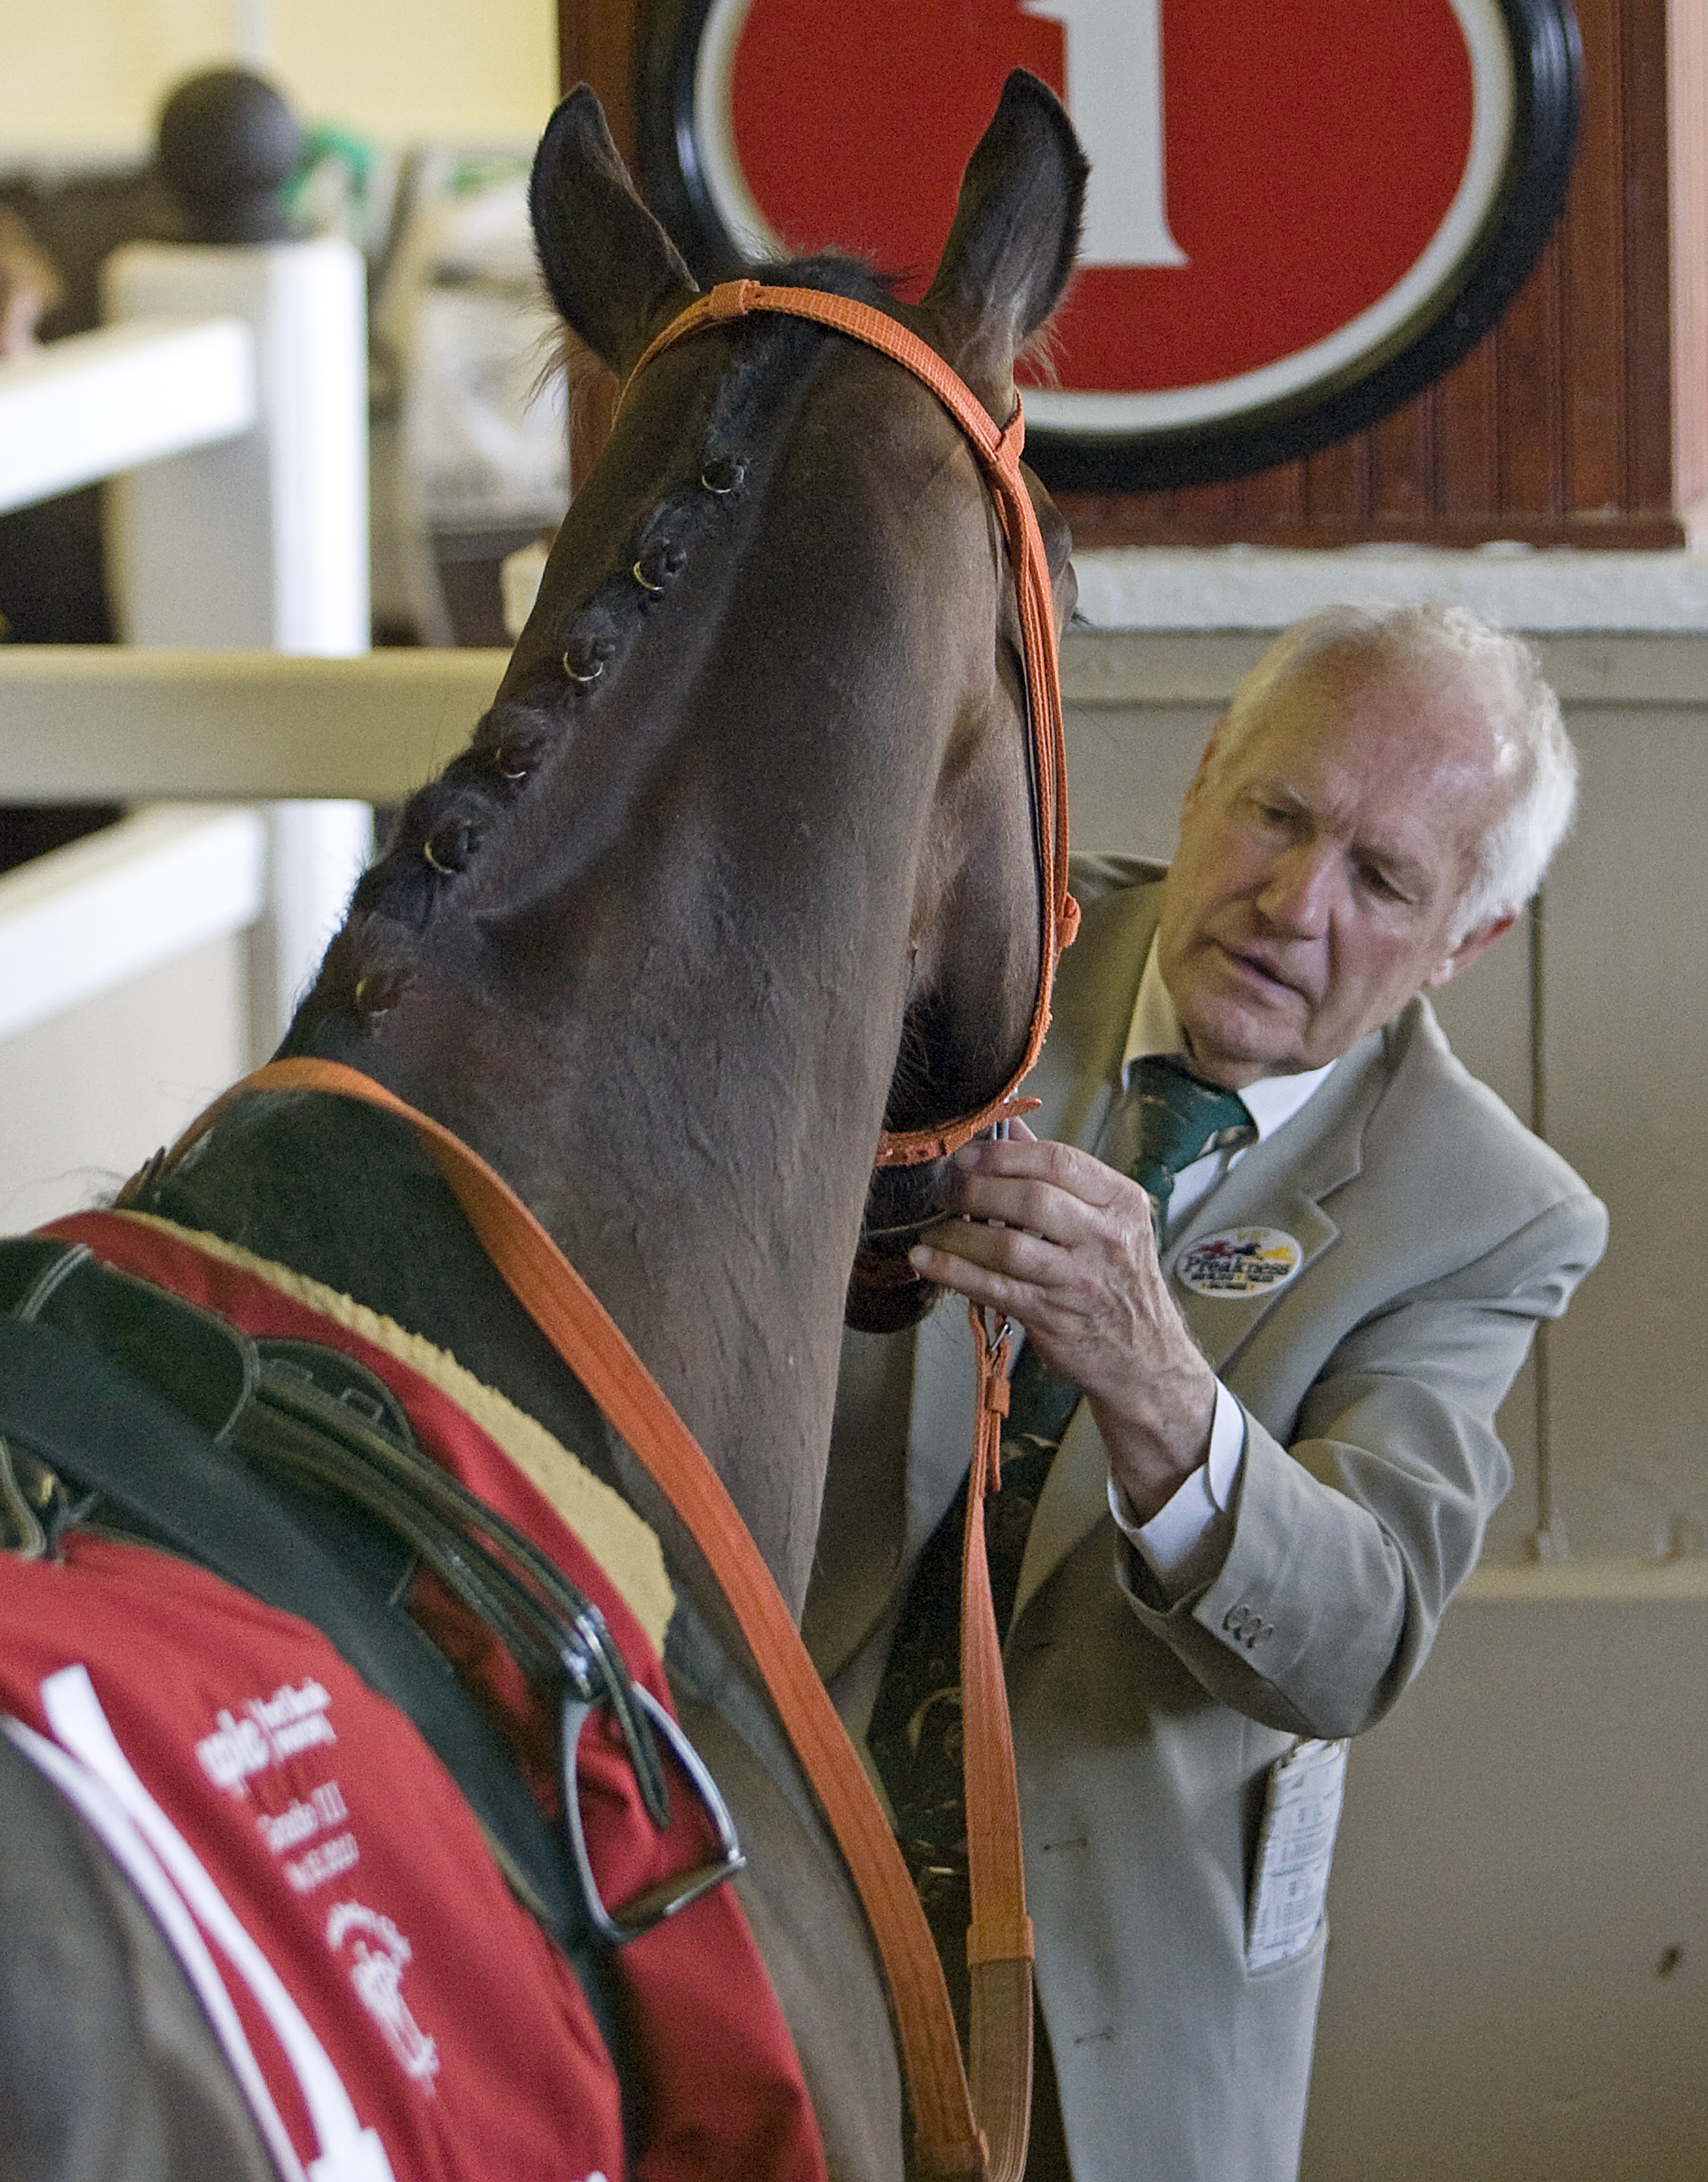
<point x="1114" y="79"/>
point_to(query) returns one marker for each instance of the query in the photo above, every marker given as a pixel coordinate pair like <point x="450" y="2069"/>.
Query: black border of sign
<point x="1548" y="64"/>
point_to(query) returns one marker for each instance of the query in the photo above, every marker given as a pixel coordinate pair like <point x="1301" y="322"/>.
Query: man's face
<point x="1319" y="873"/>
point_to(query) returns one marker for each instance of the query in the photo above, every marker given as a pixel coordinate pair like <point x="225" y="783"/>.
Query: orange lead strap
<point x="1000" y="1941"/>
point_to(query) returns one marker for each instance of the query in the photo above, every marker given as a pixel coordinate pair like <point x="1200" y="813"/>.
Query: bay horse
<point x="738" y="870"/>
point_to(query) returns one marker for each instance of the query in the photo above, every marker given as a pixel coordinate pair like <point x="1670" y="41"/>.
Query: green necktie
<point x="1164" y="1120"/>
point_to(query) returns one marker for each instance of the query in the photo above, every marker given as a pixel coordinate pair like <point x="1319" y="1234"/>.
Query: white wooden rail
<point x="119" y="902"/>
<point x="94" y="403"/>
<point x="228" y="404"/>
<point x="94" y="721"/>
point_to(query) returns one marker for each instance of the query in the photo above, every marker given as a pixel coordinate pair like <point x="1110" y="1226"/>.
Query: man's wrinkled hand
<point x="1049" y="1235"/>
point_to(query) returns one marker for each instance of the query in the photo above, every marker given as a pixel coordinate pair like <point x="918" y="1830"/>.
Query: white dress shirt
<point x="1185" y="1541"/>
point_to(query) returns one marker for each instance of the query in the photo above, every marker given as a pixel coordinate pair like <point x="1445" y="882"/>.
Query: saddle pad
<point x="324" y="1831"/>
<point x="600" y="1519"/>
<point x="723" y="2100"/>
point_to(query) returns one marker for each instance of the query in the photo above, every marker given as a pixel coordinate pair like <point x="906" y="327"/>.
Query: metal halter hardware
<point x="998" y="451"/>
<point x="653" y="1904"/>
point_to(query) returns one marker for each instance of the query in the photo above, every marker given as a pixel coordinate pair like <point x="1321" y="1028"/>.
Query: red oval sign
<point x="1282" y="192"/>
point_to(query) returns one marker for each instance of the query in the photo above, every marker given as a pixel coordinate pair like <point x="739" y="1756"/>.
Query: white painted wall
<point x="1518" y="1980"/>
<point x="87" y="1095"/>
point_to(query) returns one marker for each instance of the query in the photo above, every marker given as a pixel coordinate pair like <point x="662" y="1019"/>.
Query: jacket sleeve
<point x="1348" y="1543"/>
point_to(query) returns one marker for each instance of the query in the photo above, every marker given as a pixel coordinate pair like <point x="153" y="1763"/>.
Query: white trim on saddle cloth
<point x="89" y="1768"/>
<point x="624" y="1544"/>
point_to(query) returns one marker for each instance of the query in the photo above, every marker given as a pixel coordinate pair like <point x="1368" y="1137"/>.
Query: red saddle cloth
<point x="402" y="2009"/>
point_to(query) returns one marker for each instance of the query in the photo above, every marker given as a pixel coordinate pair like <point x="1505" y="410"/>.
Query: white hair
<point x="1535" y="761"/>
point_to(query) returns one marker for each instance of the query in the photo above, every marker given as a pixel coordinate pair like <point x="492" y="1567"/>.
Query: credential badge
<point x="1240" y="1262"/>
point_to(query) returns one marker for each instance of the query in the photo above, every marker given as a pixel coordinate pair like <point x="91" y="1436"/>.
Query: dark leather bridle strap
<point x="97" y="1426"/>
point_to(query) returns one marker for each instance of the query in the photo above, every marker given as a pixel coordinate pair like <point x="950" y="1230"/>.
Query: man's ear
<point x="1204" y="763"/>
<point x="1471" y="946"/>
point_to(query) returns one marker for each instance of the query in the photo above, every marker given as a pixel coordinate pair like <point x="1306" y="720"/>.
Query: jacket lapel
<point x="1079" y="1070"/>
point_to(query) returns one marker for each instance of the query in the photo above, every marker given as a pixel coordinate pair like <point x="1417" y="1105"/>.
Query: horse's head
<point x="973" y="934"/>
<point x="751" y="813"/>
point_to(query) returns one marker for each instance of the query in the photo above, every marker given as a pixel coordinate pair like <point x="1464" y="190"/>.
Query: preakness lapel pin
<point x="1238" y="1262"/>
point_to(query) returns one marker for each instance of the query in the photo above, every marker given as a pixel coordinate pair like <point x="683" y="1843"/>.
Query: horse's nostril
<point x="658" y="562"/>
<point x="724" y="476"/>
<point x="448" y="848"/>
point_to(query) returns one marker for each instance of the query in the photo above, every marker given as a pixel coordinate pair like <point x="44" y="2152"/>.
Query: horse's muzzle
<point x="885" y="1294"/>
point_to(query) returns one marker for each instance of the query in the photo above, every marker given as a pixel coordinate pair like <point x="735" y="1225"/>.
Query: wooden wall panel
<point x="1559" y="427"/>
<point x="595" y="44"/>
<point x="1593" y="254"/>
<point x="1648" y="268"/>
<point x="1581" y="419"/>
<point x="1688" y="219"/>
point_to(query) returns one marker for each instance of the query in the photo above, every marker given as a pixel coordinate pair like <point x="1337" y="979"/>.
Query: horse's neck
<point x="710" y="1190"/>
<point x="659" y="987"/>
<point x="721" y="1253"/>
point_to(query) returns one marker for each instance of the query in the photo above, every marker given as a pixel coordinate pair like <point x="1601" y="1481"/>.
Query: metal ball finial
<point x="228" y="143"/>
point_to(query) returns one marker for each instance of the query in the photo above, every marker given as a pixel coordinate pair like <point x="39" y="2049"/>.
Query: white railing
<point x="261" y="539"/>
<point x="142" y="968"/>
<point x="228" y="405"/>
<point x="89" y="722"/>
<point x="117" y="904"/>
<point x="98" y="402"/>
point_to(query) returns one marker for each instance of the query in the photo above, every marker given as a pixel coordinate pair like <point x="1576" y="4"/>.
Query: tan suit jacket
<point x="1435" y="1231"/>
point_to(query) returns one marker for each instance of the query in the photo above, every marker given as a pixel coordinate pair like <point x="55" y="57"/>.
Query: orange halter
<point x="998" y="451"/>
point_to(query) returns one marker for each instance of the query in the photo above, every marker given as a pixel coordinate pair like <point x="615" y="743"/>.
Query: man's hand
<point x="1074" y="1261"/>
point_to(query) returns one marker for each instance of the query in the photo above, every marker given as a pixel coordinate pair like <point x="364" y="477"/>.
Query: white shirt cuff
<point x="1186" y="1539"/>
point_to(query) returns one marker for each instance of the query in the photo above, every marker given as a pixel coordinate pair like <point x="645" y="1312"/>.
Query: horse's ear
<point x="1011" y="248"/>
<point x="612" y="270"/>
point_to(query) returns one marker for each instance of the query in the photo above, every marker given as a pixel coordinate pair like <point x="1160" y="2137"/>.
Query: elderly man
<point x="1276" y="1275"/>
